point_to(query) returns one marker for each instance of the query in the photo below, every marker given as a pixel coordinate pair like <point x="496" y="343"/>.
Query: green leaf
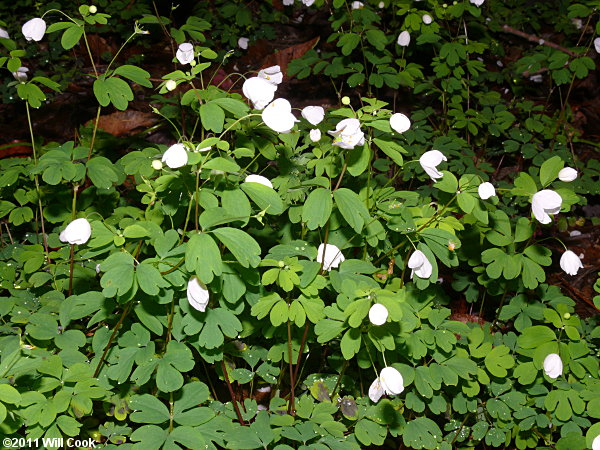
<point x="370" y="433"/>
<point x="350" y="343"/>
<point x="9" y="394"/>
<point x="266" y="198"/>
<point x="148" y="409"/>
<point x="317" y="208"/>
<point x="358" y="159"/>
<point x="31" y="93"/>
<point x="135" y="74"/>
<point x="243" y="246"/>
<point x="113" y="90"/>
<point x="534" y="337"/>
<point x="549" y="170"/>
<point x="448" y="183"/>
<point x="212" y="116"/>
<point x="149" y="278"/>
<point x="119" y="274"/>
<point x="499" y="360"/>
<point x="102" y="172"/>
<point x="177" y="359"/>
<point x="391" y="149"/>
<point x="219" y="163"/>
<point x="422" y="433"/>
<point x="348" y="42"/>
<point x="524" y="185"/>
<point x="202" y="256"/>
<point x="352" y="208"/>
<point x="71" y="36"/>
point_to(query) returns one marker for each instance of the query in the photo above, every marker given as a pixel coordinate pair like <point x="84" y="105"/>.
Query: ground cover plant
<point x="383" y="235"/>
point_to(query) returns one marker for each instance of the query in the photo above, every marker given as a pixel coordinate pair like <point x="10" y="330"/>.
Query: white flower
<point x="34" y="29"/>
<point x="77" y="232"/>
<point x="314" y="114"/>
<point x="538" y="78"/>
<point x="315" y="135"/>
<point x="175" y="156"/>
<point x="381" y="5"/>
<point x="157" y="165"/>
<point x="308" y="2"/>
<point x="597" y="44"/>
<point x="357" y="5"/>
<point x="272" y="74"/>
<point x="171" y="85"/>
<point x="427" y="19"/>
<point x="330" y="256"/>
<point x="486" y="190"/>
<point x="596" y="441"/>
<point x="197" y="294"/>
<point x="259" y="91"/>
<point x="570" y="262"/>
<point x="404" y="39"/>
<point x="278" y="116"/>
<point x="378" y="314"/>
<point x="420" y="265"/>
<point x="258" y="179"/>
<point x="545" y="202"/>
<point x="243" y="43"/>
<point x="375" y="391"/>
<point x="185" y="53"/>
<point x="348" y="134"/>
<point x="93" y="9"/>
<point x="390" y="381"/>
<point x="3" y="33"/>
<point x="399" y="123"/>
<point x="429" y="162"/>
<point x="567" y="174"/>
<point x="477" y="2"/>
<point x="288" y="2"/>
<point x="553" y="365"/>
<point x="21" y="74"/>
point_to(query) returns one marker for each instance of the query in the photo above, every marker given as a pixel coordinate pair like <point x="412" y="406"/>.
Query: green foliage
<point x="208" y="312"/>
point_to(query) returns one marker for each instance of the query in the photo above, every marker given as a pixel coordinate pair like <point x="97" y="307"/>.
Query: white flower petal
<point x="176" y="156"/>
<point x="278" y="116"/>
<point x="314" y="114"/>
<point x="3" y="33"/>
<point x="391" y="380"/>
<point x="34" y="29"/>
<point x="545" y="202"/>
<point x="243" y="43"/>
<point x="567" y="174"/>
<point x="597" y="44"/>
<point x="21" y="74"/>
<point x="486" y="190"/>
<point x="330" y="256"/>
<point x="420" y="265"/>
<point x="553" y="365"/>
<point x="348" y="134"/>
<point x="271" y="74"/>
<point x="77" y="232"/>
<point x="427" y="19"/>
<point x="404" y="39"/>
<point x="197" y="294"/>
<point x="315" y="135"/>
<point x="375" y="391"/>
<point x="357" y="5"/>
<point x="477" y="2"/>
<point x="259" y="91"/>
<point x="400" y="123"/>
<point x="570" y="262"/>
<point x="185" y="53"/>
<point x="429" y="162"/>
<point x="378" y="314"/>
<point x="596" y="441"/>
<point x="259" y="179"/>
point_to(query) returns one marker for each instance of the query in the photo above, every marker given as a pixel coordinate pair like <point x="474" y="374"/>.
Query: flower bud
<point x="345" y="100"/>
<point x="157" y="164"/>
<point x="171" y="85"/>
<point x="77" y="232"/>
<point x="93" y="9"/>
<point x="567" y="174"/>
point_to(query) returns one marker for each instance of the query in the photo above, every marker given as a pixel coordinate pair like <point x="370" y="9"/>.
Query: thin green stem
<point x="291" y="365"/>
<point x="37" y="184"/>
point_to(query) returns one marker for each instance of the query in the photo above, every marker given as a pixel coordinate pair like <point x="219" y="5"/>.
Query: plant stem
<point x="233" y="400"/>
<point x="337" y="384"/>
<point x="301" y="351"/>
<point x="292" y="382"/>
<point x="94" y="132"/>
<point x="72" y="254"/>
<point x="37" y="185"/>
<point x="112" y="336"/>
